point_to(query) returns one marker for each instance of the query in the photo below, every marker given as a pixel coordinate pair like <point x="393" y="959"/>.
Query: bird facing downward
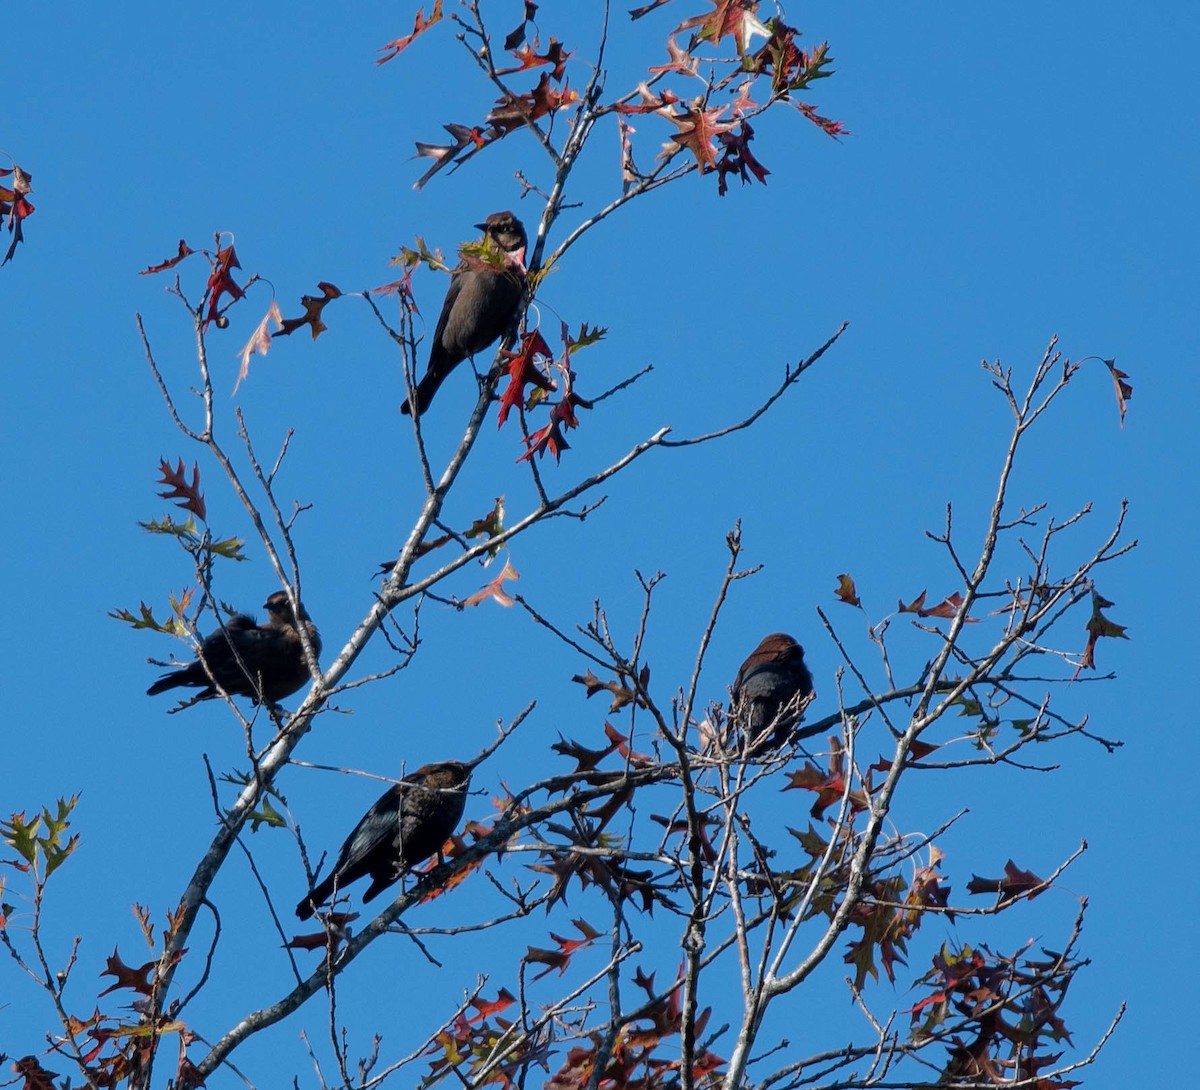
<point x="409" y="822"/>
<point x="768" y="691"/>
<point x="480" y="304"/>
<point x="262" y="661"/>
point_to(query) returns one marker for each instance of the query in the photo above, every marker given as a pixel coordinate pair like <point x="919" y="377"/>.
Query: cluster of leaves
<point x="113" y="1049"/>
<point x="490" y="1049"/>
<point x="199" y="545"/>
<point x="585" y="854"/>
<point x="106" y="1049"/>
<point x="642" y="1056"/>
<point x="534" y="362"/>
<point x="221" y="291"/>
<point x="997" y="1014"/>
<point x="15" y="206"/>
<point x="41" y="841"/>
<point x="513" y="110"/>
<point x="713" y="127"/>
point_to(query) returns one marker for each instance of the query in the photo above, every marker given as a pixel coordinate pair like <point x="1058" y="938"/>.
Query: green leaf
<point x="21" y="836"/>
<point x="587" y="336"/>
<point x="810" y="840"/>
<point x="230" y="548"/>
<point x="167" y="525"/>
<point x="44" y="835"/>
<point x="266" y="815"/>
<point x="172" y="626"/>
<point x="969" y="705"/>
<point x="410" y="258"/>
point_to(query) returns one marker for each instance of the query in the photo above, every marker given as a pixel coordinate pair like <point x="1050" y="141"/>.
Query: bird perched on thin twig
<point x="770" y="691"/>
<point x="262" y="661"/>
<point x="409" y="822"/>
<point x="480" y="304"/>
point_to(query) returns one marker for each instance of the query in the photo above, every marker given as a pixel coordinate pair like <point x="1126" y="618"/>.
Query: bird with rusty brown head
<point x="770" y="692"/>
<point x="483" y="299"/>
<point x="409" y="822"/>
<point x="265" y="662"/>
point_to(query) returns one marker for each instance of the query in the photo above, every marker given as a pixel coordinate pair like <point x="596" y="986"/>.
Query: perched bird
<point x="409" y="822"/>
<point x="262" y="661"/>
<point x="480" y="304"/>
<point x="769" y="689"/>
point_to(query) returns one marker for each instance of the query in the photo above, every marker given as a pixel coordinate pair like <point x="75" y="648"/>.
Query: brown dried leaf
<point x="1124" y="389"/>
<point x="184" y="251"/>
<point x="846" y="591"/>
<point x="313" y="306"/>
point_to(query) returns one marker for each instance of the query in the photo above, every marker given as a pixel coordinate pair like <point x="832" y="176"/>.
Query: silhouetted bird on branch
<point x="409" y="822"/>
<point x="262" y="661"/>
<point x="770" y="688"/>
<point x="480" y="305"/>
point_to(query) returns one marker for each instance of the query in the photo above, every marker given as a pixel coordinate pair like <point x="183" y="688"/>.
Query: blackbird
<point x="768" y="690"/>
<point x="262" y="661"/>
<point x="479" y="306"/>
<point x="409" y="822"/>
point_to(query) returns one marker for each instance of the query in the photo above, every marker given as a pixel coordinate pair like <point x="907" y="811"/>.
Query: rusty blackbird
<point x="262" y="661"/>
<point x="479" y="305"/>
<point x="410" y="821"/>
<point x="768" y="691"/>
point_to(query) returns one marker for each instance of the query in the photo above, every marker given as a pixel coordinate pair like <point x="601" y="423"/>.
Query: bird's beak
<point x="481" y="227"/>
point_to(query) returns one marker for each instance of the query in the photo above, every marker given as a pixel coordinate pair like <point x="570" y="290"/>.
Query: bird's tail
<point x="172" y="680"/>
<point x="320" y="894"/>
<point x="427" y="387"/>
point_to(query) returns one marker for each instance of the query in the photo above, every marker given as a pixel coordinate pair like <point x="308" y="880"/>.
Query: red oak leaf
<point x="137" y="979"/>
<point x="946" y="608"/>
<point x="517" y="36"/>
<point x="529" y="57"/>
<point x="189" y="494"/>
<point x="221" y="282"/>
<point x="184" y="251"/>
<point x="1099" y="625"/>
<point x="523" y="369"/>
<point x="847" y="592"/>
<point x="313" y="306"/>
<point x="15" y="205"/>
<point x="681" y="60"/>
<point x="495" y="589"/>
<point x="444" y="154"/>
<point x="651" y="103"/>
<point x="420" y="25"/>
<point x="637" y="13"/>
<point x="1014" y="883"/>
<point x="825" y="124"/>
<point x="829" y="786"/>
<point x="738" y="159"/>
<point x="697" y="130"/>
<point x="487" y="1007"/>
<point x="638" y="760"/>
<point x="1124" y="389"/>
<point x="728" y="17"/>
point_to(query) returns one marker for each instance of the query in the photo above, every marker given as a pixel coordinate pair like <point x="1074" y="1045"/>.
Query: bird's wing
<point x="452" y="292"/>
<point x="372" y="840"/>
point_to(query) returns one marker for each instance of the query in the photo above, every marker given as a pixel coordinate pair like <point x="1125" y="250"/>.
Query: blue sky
<point x="1014" y="172"/>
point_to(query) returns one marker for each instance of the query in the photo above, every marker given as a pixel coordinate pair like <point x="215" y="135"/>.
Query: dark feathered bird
<point x="409" y="822"/>
<point x="479" y="306"/>
<point x="262" y="661"/>
<point x="768" y="691"/>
